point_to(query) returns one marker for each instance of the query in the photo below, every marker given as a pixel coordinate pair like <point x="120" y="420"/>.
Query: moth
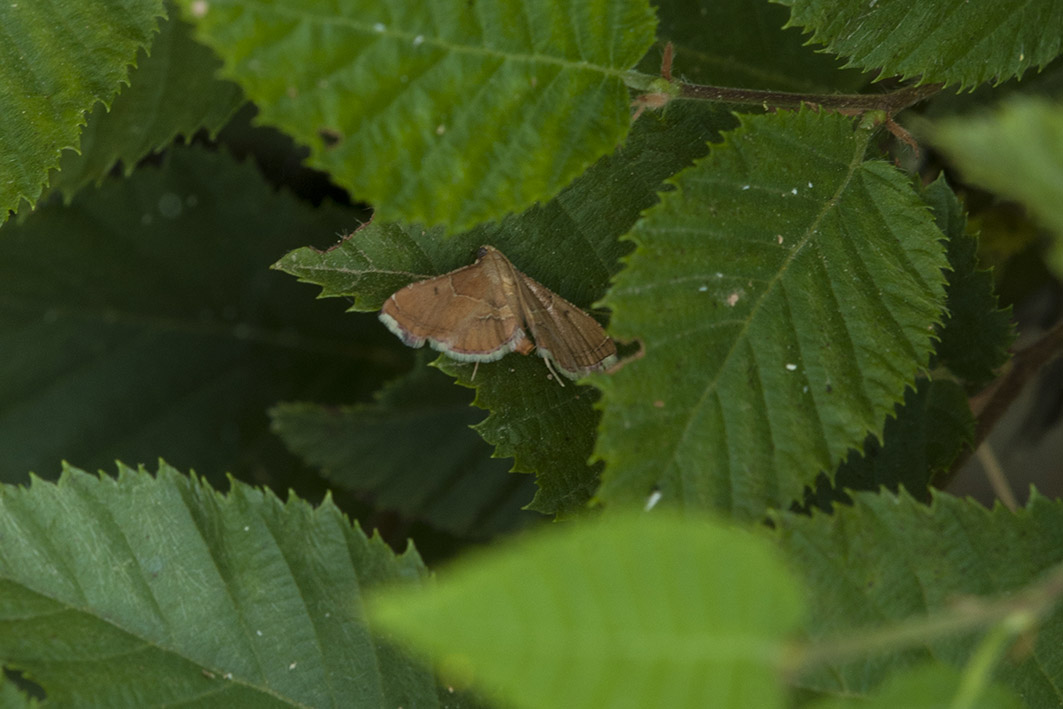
<point x="482" y="312"/>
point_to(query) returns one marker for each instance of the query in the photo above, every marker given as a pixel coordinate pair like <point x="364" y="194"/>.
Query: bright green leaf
<point x="57" y="59"/>
<point x="973" y="340"/>
<point x="570" y="245"/>
<point x="159" y="591"/>
<point x="12" y="698"/>
<point x="1017" y="152"/>
<point x="964" y="42"/>
<point x="888" y="558"/>
<point x="171" y="92"/>
<point x="413" y="451"/>
<point x="402" y="104"/>
<point x="925" y="687"/>
<point x="142" y="321"/>
<point x="784" y="296"/>
<point x="625" y="611"/>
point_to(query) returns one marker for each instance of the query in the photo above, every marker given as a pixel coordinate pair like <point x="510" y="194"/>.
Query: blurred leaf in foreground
<point x="638" y="611"/>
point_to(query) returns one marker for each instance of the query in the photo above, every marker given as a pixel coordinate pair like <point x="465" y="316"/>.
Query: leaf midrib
<point x="742" y="335"/>
<point x="423" y="40"/>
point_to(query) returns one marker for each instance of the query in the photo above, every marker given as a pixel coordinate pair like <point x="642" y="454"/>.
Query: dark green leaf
<point x="396" y="101"/>
<point x="964" y="42"/>
<point x="742" y="43"/>
<point x="171" y="92"/>
<point x="413" y="451"/>
<point x="784" y="296"/>
<point x="974" y="339"/>
<point x="159" y="591"/>
<point x="143" y="321"/>
<point x="569" y="245"/>
<point x="923" y="439"/>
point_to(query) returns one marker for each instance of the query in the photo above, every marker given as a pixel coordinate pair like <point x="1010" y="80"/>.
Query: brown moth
<point x="482" y="312"/>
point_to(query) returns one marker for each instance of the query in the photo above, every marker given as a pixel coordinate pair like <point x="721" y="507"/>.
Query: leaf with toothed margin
<point x="974" y="337"/>
<point x="412" y="450"/>
<point x="402" y="103"/>
<point x="889" y="558"/>
<point x="785" y="295"/>
<point x="57" y="61"/>
<point x="964" y="42"/>
<point x="237" y="599"/>
<point x="570" y="245"/>
<point x="170" y="93"/>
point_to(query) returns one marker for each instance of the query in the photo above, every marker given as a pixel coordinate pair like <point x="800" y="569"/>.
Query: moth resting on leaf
<point x="482" y="312"/>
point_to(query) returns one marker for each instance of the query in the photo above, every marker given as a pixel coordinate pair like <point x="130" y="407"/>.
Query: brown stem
<point x="1025" y="364"/>
<point x="989" y="405"/>
<point x="892" y="103"/>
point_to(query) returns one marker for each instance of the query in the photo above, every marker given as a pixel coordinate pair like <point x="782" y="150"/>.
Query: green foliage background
<point x="206" y="202"/>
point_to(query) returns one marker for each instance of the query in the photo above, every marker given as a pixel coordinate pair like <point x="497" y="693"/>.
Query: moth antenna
<point x="475" y="366"/>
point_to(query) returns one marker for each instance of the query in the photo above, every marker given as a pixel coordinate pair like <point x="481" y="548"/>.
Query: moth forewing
<point x="481" y="312"/>
<point x="447" y="312"/>
<point x="564" y="333"/>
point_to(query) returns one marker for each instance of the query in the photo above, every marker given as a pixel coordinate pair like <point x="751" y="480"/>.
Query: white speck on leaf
<point x="791" y="367"/>
<point x="379" y="27"/>
<point x="745" y="187"/>
<point x="652" y="500"/>
<point x="418" y="40"/>
<point x="793" y="191"/>
<point x="199" y="8"/>
<point x="702" y="289"/>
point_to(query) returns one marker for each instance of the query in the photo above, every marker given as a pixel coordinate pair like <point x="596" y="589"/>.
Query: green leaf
<point x="973" y="340"/>
<point x="925" y="687"/>
<point x="236" y="599"/>
<point x="142" y="320"/>
<point x="923" y="439"/>
<point x="784" y="296"/>
<point x="636" y="611"/>
<point x="395" y="101"/>
<point x="56" y="61"/>
<point x="742" y="43"/>
<point x="414" y="452"/>
<point x="964" y="42"/>
<point x="570" y="245"/>
<point x="12" y="698"/>
<point x="171" y="92"/>
<point x="890" y="558"/>
<point x="1017" y="152"/>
